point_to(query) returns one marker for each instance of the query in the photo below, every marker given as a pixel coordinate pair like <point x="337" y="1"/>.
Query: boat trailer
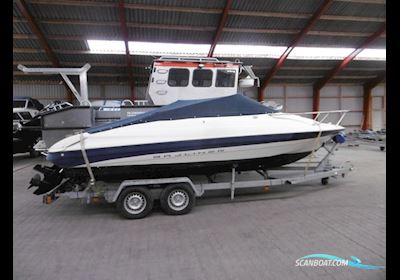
<point x="134" y="198"/>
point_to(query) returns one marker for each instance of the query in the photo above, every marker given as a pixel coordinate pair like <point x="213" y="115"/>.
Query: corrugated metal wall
<point x="48" y="93"/>
<point x="379" y="108"/>
<point x="298" y="98"/>
<point x="44" y="93"/>
<point x="294" y="98"/>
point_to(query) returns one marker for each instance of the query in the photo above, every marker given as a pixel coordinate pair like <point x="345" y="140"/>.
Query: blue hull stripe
<point x="74" y="158"/>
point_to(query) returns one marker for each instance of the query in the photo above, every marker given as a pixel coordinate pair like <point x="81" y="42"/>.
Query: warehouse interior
<point x="63" y="28"/>
<point x="227" y="240"/>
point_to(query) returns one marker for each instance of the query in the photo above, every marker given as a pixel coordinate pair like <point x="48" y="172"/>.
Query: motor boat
<point x="204" y="136"/>
<point x="27" y="128"/>
<point x="186" y="137"/>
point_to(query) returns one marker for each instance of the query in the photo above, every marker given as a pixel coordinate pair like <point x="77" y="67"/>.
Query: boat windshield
<point x="234" y="105"/>
<point x="25" y="115"/>
<point x="19" y="103"/>
<point x="16" y="117"/>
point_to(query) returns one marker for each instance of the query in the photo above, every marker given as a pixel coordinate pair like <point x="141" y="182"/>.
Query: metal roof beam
<point x="207" y="10"/>
<point x="291" y="46"/>
<point x="352" y="77"/>
<point x="91" y="74"/>
<point x="378" y="2"/>
<point x="77" y="63"/>
<point x="320" y="84"/>
<point x="125" y="35"/>
<point x="323" y="68"/>
<point x="37" y="32"/>
<point x="376" y="81"/>
<point x="31" y="50"/>
<point x="23" y="7"/>
<point x="201" y="28"/>
<point x="221" y="24"/>
<point x="107" y="64"/>
<point x="23" y="36"/>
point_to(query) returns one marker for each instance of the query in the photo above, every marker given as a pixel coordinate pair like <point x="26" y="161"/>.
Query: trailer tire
<point x="135" y="202"/>
<point x="177" y="199"/>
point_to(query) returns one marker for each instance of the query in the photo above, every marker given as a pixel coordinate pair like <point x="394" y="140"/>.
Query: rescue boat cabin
<point x="177" y="78"/>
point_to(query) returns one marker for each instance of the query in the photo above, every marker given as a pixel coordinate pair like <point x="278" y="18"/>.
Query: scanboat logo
<point x="329" y="260"/>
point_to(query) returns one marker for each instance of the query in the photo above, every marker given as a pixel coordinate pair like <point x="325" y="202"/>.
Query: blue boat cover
<point x="233" y="105"/>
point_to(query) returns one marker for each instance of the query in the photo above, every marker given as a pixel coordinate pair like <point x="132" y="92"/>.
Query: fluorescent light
<point x="319" y="53"/>
<point x="106" y="46"/>
<point x="227" y="50"/>
<point x="372" y="54"/>
<point x="150" y="48"/>
<point x="224" y="50"/>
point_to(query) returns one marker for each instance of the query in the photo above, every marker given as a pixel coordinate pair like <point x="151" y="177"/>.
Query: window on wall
<point x="225" y="78"/>
<point x="202" y="78"/>
<point x="178" y="77"/>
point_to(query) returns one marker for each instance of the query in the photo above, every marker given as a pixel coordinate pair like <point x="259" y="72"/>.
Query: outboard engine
<point x="52" y="178"/>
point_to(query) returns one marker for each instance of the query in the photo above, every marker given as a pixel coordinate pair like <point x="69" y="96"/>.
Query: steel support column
<point x="221" y="25"/>
<point x="125" y="34"/>
<point x="367" y="108"/>
<point x="291" y="46"/>
<point x="316" y="99"/>
<point x="23" y="7"/>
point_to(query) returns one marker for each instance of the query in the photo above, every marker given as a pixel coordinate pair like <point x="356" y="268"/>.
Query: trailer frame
<point x="111" y="191"/>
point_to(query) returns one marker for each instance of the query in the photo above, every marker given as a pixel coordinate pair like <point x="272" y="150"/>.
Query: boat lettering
<point x="188" y="154"/>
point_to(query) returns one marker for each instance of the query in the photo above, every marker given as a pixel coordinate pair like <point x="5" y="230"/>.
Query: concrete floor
<point x="257" y="237"/>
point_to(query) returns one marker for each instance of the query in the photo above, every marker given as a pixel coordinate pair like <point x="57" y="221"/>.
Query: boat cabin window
<point x="25" y="115"/>
<point x="178" y="77"/>
<point x="19" y="103"/>
<point x="202" y="78"/>
<point x="225" y="78"/>
<point x="16" y="117"/>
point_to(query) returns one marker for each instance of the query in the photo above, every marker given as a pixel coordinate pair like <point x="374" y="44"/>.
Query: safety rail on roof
<point x="195" y="59"/>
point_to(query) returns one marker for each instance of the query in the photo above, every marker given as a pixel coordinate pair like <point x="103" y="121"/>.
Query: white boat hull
<point x="195" y="140"/>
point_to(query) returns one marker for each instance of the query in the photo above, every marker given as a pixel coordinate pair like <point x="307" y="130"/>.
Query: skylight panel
<point x="151" y="48"/>
<point x="228" y="50"/>
<point x="319" y="53"/>
<point x="372" y="54"/>
<point x="106" y="46"/>
<point x="225" y="50"/>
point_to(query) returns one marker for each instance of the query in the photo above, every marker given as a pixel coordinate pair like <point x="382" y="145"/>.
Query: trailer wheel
<point x="177" y="199"/>
<point x="135" y="202"/>
<point x="325" y="181"/>
<point x="382" y="148"/>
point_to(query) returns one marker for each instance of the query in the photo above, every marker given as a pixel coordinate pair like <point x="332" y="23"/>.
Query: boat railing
<point x="324" y="115"/>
